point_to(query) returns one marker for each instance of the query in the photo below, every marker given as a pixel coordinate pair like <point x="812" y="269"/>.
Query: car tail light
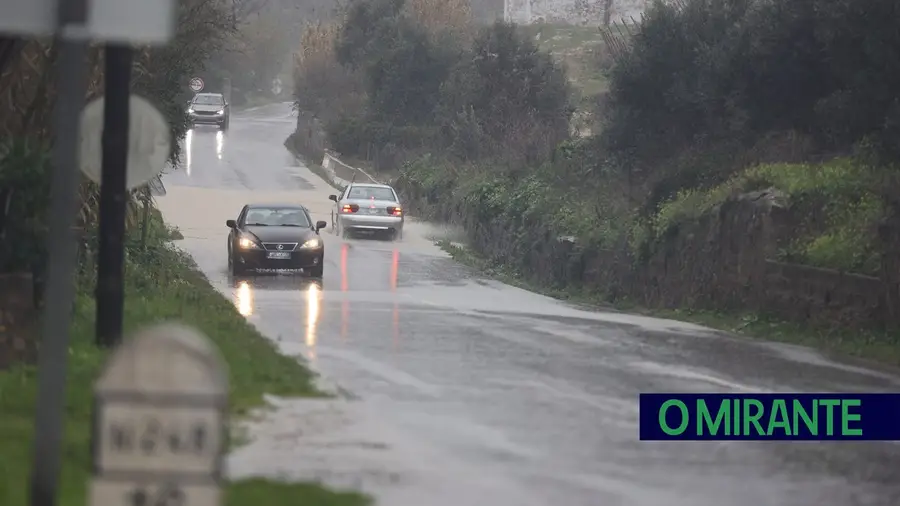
<point x="349" y="208"/>
<point x="395" y="211"/>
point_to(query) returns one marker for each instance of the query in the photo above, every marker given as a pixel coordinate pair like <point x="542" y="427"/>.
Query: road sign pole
<point x="71" y="86"/>
<point x="113" y="195"/>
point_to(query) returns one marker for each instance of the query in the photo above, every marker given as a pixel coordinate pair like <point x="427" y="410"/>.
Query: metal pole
<point x="71" y="79"/>
<point x="113" y="196"/>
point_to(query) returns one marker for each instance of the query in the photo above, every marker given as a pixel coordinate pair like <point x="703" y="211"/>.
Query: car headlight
<point x="245" y="243"/>
<point x="220" y="112"/>
<point x="191" y="110"/>
<point x="315" y="242"/>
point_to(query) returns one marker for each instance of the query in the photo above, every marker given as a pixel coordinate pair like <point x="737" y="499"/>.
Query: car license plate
<point x="373" y="211"/>
<point x="279" y="255"/>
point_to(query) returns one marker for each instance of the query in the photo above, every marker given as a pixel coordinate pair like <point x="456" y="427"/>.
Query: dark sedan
<point x="268" y="236"/>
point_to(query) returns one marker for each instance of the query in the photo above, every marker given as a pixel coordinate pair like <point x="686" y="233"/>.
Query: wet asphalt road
<point x="462" y="391"/>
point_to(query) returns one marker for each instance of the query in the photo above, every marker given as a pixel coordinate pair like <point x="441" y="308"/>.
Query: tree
<point x="515" y="96"/>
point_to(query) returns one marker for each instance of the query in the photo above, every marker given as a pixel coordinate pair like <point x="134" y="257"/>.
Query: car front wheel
<point x="235" y="266"/>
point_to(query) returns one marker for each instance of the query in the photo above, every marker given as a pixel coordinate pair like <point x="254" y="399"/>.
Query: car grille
<point x="285" y="246"/>
<point x="205" y="113"/>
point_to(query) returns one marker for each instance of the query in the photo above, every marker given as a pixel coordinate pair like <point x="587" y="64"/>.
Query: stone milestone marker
<point x="159" y="421"/>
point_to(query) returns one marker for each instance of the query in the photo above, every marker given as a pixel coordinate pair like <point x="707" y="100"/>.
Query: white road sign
<point x="196" y="84"/>
<point x="276" y="86"/>
<point x="148" y="22"/>
<point x="149" y="142"/>
<point x="159" y="433"/>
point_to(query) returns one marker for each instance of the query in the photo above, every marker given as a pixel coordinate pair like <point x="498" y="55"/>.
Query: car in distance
<point x="209" y="109"/>
<point x="367" y="208"/>
<point x="269" y="236"/>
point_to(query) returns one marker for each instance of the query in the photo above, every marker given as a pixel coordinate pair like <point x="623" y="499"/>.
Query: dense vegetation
<point x="709" y="99"/>
<point x="394" y="79"/>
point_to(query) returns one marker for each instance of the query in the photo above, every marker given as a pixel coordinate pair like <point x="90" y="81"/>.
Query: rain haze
<point x="444" y="245"/>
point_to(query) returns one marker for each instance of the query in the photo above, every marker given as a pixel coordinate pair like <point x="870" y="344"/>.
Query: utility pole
<point x="73" y="24"/>
<point x="113" y="195"/>
<point x="71" y="79"/>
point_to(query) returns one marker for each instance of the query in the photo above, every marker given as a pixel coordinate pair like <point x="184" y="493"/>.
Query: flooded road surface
<point x="466" y="392"/>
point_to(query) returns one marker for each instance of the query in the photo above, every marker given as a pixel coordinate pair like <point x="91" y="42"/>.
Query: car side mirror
<point x="320" y="225"/>
<point x="332" y="197"/>
<point x="231" y="224"/>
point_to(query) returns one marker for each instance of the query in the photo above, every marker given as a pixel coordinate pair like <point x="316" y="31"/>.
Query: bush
<point x="505" y="99"/>
<point x="836" y="206"/>
<point x="738" y="67"/>
<point x="24" y="172"/>
<point x="433" y="86"/>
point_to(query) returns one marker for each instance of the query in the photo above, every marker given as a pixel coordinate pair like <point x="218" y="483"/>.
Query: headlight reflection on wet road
<point x="188" y="138"/>
<point x="395" y="317"/>
<point x="345" y="285"/>
<point x="313" y="299"/>
<point x="243" y="299"/>
<point x="220" y="144"/>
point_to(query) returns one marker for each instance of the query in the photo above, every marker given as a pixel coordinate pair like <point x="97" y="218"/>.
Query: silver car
<point x="367" y="208"/>
<point x="209" y="109"/>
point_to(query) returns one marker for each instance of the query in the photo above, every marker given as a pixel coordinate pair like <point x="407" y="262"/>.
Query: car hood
<point x="281" y="234"/>
<point x="207" y="108"/>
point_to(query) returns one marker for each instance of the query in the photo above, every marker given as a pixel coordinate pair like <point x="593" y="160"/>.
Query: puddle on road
<point x="333" y="441"/>
<point x="301" y="183"/>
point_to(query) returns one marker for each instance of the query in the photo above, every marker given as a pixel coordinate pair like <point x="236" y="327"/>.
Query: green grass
<point x="576" y="47"/>
<point x="843" y="190"/>
<point x="268" y="493"/>
<point x="876" y="346"/>
<point x="161" y="284"/>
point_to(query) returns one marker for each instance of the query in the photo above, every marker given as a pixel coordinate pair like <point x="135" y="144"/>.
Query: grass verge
<point x="577" y="48"/>
<point x="161" y="284"/>
<point x="881" y="347"/>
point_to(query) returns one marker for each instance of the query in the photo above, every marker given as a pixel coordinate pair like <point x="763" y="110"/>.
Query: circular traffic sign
<point x="149" y="142"/>
<point x="196" y="84"/>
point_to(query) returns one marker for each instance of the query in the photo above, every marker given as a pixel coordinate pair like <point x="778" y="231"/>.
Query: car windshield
<point x="371" y="193"/>
<point x="277" y="217"/>
<point x="209" y="100"/>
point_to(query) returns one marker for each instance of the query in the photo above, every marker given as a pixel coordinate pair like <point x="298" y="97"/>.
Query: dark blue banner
<point x="759" y="417"/>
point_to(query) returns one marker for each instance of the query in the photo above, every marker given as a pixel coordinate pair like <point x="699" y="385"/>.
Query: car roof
<point x="277" y="206"/>
<point x="372" y="185"/>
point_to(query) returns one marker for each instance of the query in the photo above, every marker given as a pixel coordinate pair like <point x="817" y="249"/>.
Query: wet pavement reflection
<point x="458" y="390"/>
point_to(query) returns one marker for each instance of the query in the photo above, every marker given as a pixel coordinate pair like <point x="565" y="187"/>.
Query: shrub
<point x="844" y="191"/>
<point x="506" y="99"/>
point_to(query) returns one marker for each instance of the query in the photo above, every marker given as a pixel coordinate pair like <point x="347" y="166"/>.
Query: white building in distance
<point x="575" y="12"/>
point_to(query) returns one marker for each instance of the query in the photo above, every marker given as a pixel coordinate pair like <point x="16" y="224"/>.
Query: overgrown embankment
<point x="777" y="240"/>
